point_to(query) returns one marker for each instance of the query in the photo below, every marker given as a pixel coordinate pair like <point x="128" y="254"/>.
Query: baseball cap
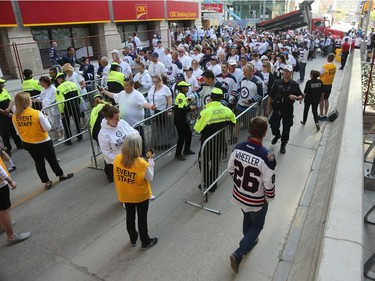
<point x="155" y="55"/>
<point x="2" y="80"/>
<point x="289" y="68"/>
<point x="263" y="57"/>
<point x="98" y="96"/>
<point x="115" y="52"/>
<point x="60" y="75"/>
<point x="214" y="58"/>
<point x="183" y="84"/>
<point x="180" y="76"/>
<point x="232" y="62"/>
<point x="114" y="64"/>
<point x="217" y="91"/>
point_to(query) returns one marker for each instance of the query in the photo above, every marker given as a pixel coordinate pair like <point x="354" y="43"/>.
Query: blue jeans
<point x="253" y="223"/>
<point x="302" y="68"/>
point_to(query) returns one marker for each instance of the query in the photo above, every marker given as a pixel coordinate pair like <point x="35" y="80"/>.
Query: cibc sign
<point x="141" y="11"/>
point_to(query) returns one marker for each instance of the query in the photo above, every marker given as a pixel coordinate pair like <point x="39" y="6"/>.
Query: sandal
<point x="68" y="176"/>
<point x="48" y="186"/>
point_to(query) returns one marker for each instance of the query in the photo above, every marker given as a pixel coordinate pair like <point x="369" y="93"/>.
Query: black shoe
<point x="153" y="242"/>
<point x="341" y="68"/>
<point x="234" y="263"/>
<point x="48" y="185"/>
<point x="275" y="139"/>
<point x="68" y="176"/>
<point x="303" y="123"/>
<point x="79" y="139"/>
<point x="134" y="243"/>
<point x="189" y="152"/>
<point x="317" y="126"/>
<point x="180" y="157"/>
<point x="11" y="169"/>
<point x="282" y="149"/>
<point x="68" y="142"/>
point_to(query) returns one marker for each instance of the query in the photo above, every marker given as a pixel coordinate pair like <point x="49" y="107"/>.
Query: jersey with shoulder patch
<point x="252" y="168"/>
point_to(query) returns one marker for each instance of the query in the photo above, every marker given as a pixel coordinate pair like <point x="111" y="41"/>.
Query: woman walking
<point x="132" y="175"/>
<point x="32" y="126"/>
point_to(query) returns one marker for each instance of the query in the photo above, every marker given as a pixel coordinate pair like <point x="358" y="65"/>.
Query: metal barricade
<point x="158" y="132"/>
<point x="75" y="110"/>
<point x="216" y="150"/>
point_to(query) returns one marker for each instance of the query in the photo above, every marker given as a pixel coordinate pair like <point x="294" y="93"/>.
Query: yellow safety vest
<point x="31" y="85"/>
<point x="180" y="100"/>
<point x="28" y="126"/>
<point x="117" y="77"/>
<point x="130" y="183"/>
<point x="214" y="112"/>
<point x="94" y="115"/>
<point x="4" y="95"/>
<point x="63" y="89"/>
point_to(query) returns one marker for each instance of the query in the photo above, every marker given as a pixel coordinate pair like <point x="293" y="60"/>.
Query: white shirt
<point x="157" y="69"/>
<point x="131" y="106"/>
<point x="197" y="57"/>
<point x="48" y="96"/>
<point x="77" y="79"/>
<point x="126" y="70"/>
<point x="197" y="73"/>
<point x="193" y="84"/>
<point x="216" y="69"/>
<point x="159" y="97"/>
<point x="160" y="52"/>
<point x="145" y="80"/>
<point x="186" y="61"/>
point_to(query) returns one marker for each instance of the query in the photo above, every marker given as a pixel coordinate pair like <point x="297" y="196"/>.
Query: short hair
<point x="315" y="74"/>
<point x="129" y="80"/>
<point x="46" y="80"/>
<point x="258" y="126"/>
<point x="225" y="63"/>
<point x="131" y="149"/>
<point x="208" y="74"/>
<point x="249" y="67"/>
<point x="22" y="101"/>
<point x="331" y="57"/>
<point x="69" y="48"/>
<point x="27" y="73"/>
<point x="109" y="111"/>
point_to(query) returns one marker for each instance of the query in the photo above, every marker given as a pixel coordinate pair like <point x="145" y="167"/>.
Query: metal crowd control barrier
<point x="76" y="109"/>
<point x="216" y="150"/>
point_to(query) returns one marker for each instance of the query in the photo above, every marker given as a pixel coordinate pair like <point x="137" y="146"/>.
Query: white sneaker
<point x="152" y="197"/>
<point x="19" y="237"/>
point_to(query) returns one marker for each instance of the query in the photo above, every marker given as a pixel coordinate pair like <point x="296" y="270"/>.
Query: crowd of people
<point x="205" y="79"/>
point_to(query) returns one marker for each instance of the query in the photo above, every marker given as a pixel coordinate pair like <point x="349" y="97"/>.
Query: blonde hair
<point x="22" y="101"/>
<point x="67" y="67"/>
<point x="268" y="66"/>
<point x="131" y="149"/>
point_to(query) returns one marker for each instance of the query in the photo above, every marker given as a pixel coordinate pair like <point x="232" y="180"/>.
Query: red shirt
<point x="345" y="47"/>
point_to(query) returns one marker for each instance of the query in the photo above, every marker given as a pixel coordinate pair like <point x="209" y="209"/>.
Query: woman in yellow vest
<point x="32" y="126"/>
<point x="132" y="176"/>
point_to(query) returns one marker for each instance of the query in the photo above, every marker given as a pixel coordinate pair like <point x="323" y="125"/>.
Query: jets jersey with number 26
<point x="252" y="168"/>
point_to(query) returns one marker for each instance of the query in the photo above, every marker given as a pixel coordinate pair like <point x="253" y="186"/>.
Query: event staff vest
<point x="66" y="90"/>
<point x="131" y="185"/>
<point x="94" y="115"/>
<point x="31" y="86"/>
<point x="115" y="81"/>
<point x="28" y="126"/>
<point x="329" y="73"/>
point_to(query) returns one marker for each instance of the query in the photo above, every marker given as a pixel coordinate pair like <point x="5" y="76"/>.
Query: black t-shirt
<point x="280" y="93"/>
<point x="313" y="90"/>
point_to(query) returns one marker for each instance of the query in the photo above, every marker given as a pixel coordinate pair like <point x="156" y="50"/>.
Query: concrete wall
<point x="341" y="253"/>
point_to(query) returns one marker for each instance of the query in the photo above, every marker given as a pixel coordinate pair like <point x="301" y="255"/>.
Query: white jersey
<point x="250" y="91"/>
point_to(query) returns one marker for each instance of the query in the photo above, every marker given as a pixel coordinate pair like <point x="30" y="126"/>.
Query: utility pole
<point x="264" y="9"/>
<point x="368" y="17"/>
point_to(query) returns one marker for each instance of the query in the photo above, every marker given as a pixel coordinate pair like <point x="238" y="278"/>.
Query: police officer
<point x="212" y="119"/>
<point x="6" y="125"/>
<point x="115" y="80"/>
<point x="282" y="96"/>
<point x="31" y="86"/>
<point x="67" y="90"/>
<point x="181" y="108"/>
<point x="96" y="116"/>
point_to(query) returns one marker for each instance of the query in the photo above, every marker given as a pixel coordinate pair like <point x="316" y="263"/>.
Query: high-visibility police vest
<point x="94" y="115"/>
<point x="64" y="91"/>
<point x="115" y="81"/>
<point x="29" y="127"/>
<point x="131" y="185"/>
<point x="30" y="86"/>
<point x="4" y="95"/>
<point x="214" y="112"/>
<point x="180" y="100"/>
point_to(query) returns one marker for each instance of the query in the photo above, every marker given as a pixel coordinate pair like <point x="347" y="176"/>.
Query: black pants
<point x="314" y="108"/>
<point x="275" y="121"/>
<point x="71" y="108"/>
<point x="344" y="57"/>
<point x="40" y="152"/>
<point x="108" y="170"/>
<point x="141" y="209"/>
<point x="6" y="131"/>
<point x="210" y="159"/>
<point x="184" y="136"/>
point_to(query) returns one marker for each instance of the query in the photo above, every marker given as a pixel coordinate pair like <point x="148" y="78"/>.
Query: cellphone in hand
<point x="149" y="153"/>
<point x="99" y="88"/>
